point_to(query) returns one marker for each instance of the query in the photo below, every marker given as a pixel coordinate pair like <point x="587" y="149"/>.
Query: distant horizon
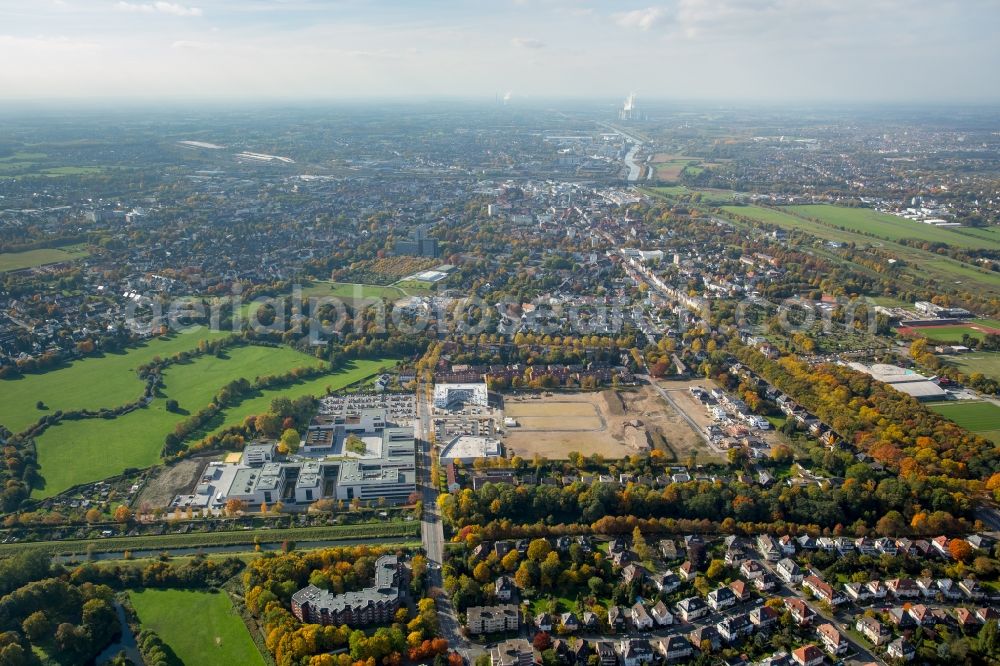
<point x="484" y="102"/>
<point x="758" y="51"/>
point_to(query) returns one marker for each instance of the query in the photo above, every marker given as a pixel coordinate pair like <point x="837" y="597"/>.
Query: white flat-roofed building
<point x="309" y="484"/>
<point x="258" y="453"/>
<point x="384" y="471"/>
<point x="255" y="485"/>
<point x="469" y="447"/>
<point x="449" y="396"/>
<point x="903" y="380"/>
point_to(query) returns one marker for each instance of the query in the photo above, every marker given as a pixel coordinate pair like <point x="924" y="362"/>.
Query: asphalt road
<point x="858" y="654"/>
<point x="432" y="530"/>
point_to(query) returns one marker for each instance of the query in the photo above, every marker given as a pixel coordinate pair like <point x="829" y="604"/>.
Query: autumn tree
<point x="290" y="440"/>
<point x="123" y="514"/>
<point x="960" y="549"/>
<point x="641" y="548"/>
<point x="538" y="549"/>
<point x="891" y="524"/>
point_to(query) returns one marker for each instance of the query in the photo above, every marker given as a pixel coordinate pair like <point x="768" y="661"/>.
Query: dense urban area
<point x="587" y="384"/>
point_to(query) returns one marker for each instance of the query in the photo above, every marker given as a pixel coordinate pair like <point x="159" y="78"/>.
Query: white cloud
<point x="161" y="7"/>
<point x="527" y="43"/>
<point x="643" y="19"/>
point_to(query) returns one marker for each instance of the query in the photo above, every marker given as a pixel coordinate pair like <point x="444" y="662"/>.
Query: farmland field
<point x="74" y="452"/>
<point x="200" y="627"/>
<point x="670" y="167"/>
<point x="982" y="418"/>
<point x="13" y="261"/>
<point x="72" y="387"/>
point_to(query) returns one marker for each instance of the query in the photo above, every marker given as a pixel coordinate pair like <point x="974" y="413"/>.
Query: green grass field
<point x="948" y="333"/>
<point x="890" y="302"/>
<point x="72" y="170"/>
<point x="988" y="363"/>
<point x="710" y="197"/>
<point x="352" y="290"/>
<point x="355" y="372"/>
<point x="415" y="287"/>
<point x="73" y="452"/>
<point x="982" y="418"/>
<point x="922" y="265"/>
<point x="90" y="383"/>
<point x="25" y="163"/>
<point x="892" y="227"/>
<point x="13" y="261"/>
<point x="202" y="628"/>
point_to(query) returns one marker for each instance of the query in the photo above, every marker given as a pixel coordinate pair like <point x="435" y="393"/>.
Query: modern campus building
<point x="345" y="457"/>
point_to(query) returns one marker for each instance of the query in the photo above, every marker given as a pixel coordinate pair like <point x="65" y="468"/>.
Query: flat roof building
<point x="450" y="396"/>
<point x="469" y="447"/>
<point x="903" y="380"/>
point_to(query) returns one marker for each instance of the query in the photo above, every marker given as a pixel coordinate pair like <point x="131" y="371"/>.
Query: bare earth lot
<point x="170" y="481"/>
<point x="614" y="424"/>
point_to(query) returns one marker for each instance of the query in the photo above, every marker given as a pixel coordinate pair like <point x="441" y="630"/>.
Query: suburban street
<point x="859" y="654"/>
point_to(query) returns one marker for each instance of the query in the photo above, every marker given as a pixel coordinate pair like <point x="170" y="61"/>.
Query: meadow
<point x="350" y="290"/>
<point x="710" y="197"/>
<point x="894" y="228"/>
<point x="982" y="418"/>
<point x="74" y="452"/>
<point x="14" y="261"/>
<point x="353" y="373"/>
<point x="25" y="163"/>
<point x="73" y="387"/>
<point x="200" y="627"/>
<point x="921" y="264"/>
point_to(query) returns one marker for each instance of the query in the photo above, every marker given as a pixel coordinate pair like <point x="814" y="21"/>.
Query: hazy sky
<point x="877" y="50"/>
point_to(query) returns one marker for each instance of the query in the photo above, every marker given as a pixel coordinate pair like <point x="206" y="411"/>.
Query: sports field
<point x="943" y="333"/>
<point x="982" y="418"/>
<point x="13" y="261"/>
<point x="74" y="452"/>
<point x="987" y="363"/>
<point x="202" y="628"/>
<point x="90" y="383"/>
